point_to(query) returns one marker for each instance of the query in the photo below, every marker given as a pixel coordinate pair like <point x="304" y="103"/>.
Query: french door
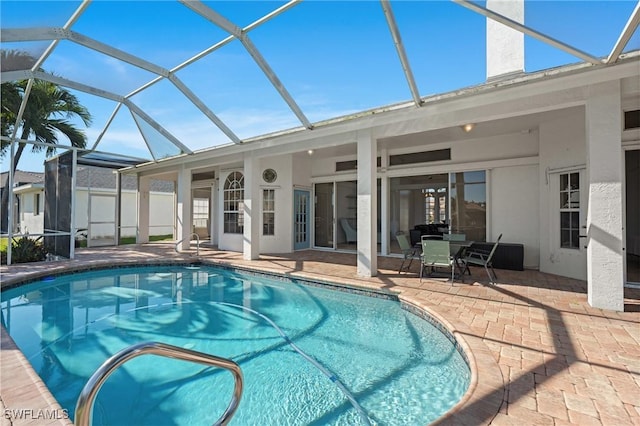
<point x="301" y="219"/>
<point x="568" y="213"/>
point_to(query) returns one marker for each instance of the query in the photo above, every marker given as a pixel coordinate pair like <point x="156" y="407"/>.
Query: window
<point x="342" y="166"/>
<point x="268" y="211"/>
<point x="435" y="205"/>
<point x="632" y="119"/>
<point x="200" y="212"/>
<point x="203" y="176"/>
<point x="430" y="205"/>
<point x="442" y="208"/>
<point x="420" y="157"/>
<point x="36" y="204"/>
<point x="234" y="203"/>
<point x="569" y="210"/>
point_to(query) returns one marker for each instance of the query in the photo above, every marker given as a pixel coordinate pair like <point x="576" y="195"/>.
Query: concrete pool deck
<point x="542" y="354"/>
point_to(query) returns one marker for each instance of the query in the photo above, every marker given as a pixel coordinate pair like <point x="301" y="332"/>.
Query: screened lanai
<point x="169" y="78"/>
<point x="198" y="85"/>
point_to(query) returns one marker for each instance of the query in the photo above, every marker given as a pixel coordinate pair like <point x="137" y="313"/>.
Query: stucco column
<point x="143" y="209"/>
<point x="183" y="209"/>
<point x="505" y="46"/>
<point x="251" y="240"/>
<point x="118" y="207"/>
<point x="384" y="204"/>
<point x="367" y="206"/>
<point x="605" y="263"/>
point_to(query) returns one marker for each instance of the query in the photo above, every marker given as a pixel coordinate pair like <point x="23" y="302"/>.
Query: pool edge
<point x="25" y="397"/>
<point x="483" y="399"/>
<point x="478" y="406"/>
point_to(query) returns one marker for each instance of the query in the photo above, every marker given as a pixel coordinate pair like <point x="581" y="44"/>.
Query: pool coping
<point x="478" y="406"/>
<point x="25" y="398"/>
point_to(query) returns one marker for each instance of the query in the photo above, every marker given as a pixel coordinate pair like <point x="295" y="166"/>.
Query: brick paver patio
<point x="544" y="356"/>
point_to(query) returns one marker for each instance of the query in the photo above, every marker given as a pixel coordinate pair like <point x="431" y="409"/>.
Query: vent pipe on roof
<point x="505" y="46"/>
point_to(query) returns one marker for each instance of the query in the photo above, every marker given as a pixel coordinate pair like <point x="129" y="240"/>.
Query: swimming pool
<point x="399" y="368"/>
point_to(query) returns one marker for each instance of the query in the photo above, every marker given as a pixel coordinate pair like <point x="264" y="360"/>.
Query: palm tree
<point x="46" y="116"/>
<point x="16" y="60"/>
<point x="12" y="60"/>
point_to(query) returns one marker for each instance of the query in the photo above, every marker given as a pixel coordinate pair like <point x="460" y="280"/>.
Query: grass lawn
<point x="152" y="238"/>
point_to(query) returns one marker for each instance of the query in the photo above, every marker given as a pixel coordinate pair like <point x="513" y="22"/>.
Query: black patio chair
<point x="482" y="258"/>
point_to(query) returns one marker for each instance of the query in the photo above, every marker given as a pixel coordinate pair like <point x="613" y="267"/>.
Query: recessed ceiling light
<point x="468" y="127"/>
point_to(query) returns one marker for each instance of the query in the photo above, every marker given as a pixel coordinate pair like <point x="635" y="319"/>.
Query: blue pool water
<point x="398" y="368"/>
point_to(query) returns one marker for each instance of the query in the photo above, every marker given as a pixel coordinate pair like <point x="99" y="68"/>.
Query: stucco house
<point x="23" y="180"/>
<point x="549" y="160"/>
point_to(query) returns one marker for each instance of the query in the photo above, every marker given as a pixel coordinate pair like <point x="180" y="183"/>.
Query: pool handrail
<point x="84" y="406"/>
<point x="189" y="237"/>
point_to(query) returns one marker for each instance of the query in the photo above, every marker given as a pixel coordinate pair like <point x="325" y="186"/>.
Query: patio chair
<point x="482" y="258"/>
<point x="408" y="251"/>
<point x="350" y="234"/>
<point x="435" y="254"/>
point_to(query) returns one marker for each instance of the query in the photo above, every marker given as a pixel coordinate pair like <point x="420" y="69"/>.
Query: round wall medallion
<point x="269" y="175"/>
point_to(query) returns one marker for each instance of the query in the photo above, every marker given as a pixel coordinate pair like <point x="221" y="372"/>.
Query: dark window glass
<point x="233" y="203"/>
<point x="342" y="166"/>
<point x="420" y="157"/>
<point x="632" y="119"/>
<point x="569" y="210"/>
<point x="203" y="176"/>
<point x="268" y="212"/>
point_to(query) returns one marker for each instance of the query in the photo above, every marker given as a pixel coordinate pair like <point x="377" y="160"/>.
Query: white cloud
<point x="114" y="66"/>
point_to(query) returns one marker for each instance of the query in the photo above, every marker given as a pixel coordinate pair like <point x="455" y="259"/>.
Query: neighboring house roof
<point x="21" y="177"/>
<point x="88" y="177"/>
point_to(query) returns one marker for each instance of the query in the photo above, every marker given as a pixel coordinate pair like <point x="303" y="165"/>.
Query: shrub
<point x="26" y="250"/>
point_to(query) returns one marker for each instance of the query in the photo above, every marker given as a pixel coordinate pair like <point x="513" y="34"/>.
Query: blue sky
<point x="335" y="58"/>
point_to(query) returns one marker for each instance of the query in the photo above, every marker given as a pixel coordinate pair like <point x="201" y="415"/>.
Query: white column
<point x="119" y="207"/>
<point x="183" y="209"/>
<point x="605" y="263"/>
<point x="367" y="264"/>
<point x="143" y="210"/>
<point x="251" y="241"/>
<point x="505" y="46"/>
<point x="213" y="214"/>
<point x="384" y="203"/>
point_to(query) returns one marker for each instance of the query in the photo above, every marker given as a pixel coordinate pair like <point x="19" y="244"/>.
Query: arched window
<point x="234" y="203"/>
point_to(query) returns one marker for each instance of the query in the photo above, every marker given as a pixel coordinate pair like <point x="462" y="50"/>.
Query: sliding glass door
<point x="336" y="213"/>
<point x="469" y="205"/>
<point x="347" y="213"/>
<point x="417" y="203"/>
<point x="323" y="215"/>
<point x="632" y="202"/>
<point x="438" y="203"/>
